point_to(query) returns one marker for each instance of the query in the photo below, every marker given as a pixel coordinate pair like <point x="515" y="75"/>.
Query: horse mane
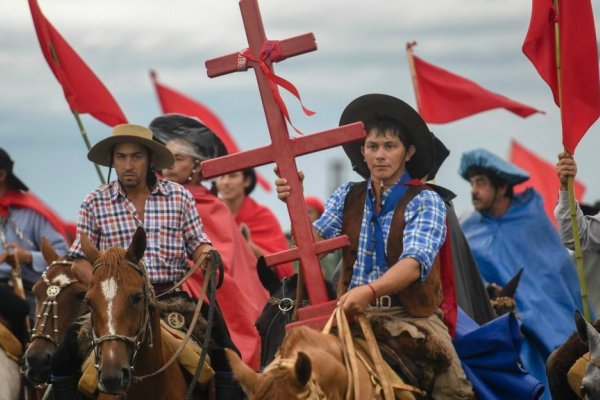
<point x="112" y="261"/>
<point x="303" y="337"/>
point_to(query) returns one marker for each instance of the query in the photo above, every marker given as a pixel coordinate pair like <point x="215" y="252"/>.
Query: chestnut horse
<point x="310" y="365"/>
<point x="127" y="338"/>
<point x="59" y="297"/>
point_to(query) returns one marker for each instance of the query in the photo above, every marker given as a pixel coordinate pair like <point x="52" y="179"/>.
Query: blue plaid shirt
<point x="172" y="224"/>
<point x="424" y="234"/>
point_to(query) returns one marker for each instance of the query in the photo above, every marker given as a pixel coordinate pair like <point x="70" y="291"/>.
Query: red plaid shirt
<point x="172" y="224"/>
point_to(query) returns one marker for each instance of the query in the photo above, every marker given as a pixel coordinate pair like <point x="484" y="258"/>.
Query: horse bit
<point x="50" y="306"/>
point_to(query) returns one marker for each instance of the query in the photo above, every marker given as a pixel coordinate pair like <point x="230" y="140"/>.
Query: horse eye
<point x="80" y="296"/>
<point x="136" y="298"/>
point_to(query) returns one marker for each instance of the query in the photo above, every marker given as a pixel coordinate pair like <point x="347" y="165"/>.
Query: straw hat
<point x="128" y="133"/>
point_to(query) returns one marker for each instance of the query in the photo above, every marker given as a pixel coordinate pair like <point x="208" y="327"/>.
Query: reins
<point x="216" y="262"/>
<point x="350" y="354"/>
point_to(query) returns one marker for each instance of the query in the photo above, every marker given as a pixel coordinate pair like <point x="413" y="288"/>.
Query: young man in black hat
<point x="24" y="220"/>
<point x="396" y="228"/>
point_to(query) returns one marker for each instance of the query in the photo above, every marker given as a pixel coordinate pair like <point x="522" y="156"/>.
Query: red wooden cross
<point x="282" y="149"/>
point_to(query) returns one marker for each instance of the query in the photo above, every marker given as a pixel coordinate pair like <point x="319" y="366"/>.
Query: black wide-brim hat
<point x="371" y="106"/>
<point x="6" y="163"/>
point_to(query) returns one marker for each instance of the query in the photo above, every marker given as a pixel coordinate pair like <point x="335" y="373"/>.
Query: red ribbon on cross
<point x="271" y="49"/>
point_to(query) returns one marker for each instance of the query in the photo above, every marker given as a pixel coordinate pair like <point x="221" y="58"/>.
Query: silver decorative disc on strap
<point x="53" y="291"/>
<point x="175" y="320"/>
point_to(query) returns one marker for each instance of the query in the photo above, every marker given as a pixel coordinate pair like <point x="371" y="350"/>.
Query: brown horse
<point x="310" y="365"/>
<point x="586" y="338"/>
<point x="59" y="302"/>
<point x="127" y="338"/>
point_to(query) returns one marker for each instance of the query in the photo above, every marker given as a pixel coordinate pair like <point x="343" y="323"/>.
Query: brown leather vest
<point x="419" y="299"/>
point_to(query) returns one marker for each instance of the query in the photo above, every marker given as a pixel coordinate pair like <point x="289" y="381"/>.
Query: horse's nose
<point x="114" y="380"/>
<point x="37" y="366"/>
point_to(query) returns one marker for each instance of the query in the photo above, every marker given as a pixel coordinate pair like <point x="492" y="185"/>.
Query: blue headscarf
<point x="482" y="158"/>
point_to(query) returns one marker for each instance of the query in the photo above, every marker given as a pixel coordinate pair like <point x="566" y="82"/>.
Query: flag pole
<point x="413" y="71"/>
<point x="570" y="179"/>
<point x="88" y="144"/>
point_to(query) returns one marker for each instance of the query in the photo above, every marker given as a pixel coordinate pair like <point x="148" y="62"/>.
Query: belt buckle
<point x="384" y="301"/>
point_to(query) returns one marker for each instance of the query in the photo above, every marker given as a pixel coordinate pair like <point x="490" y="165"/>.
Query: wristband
<point x="372" y="290"/>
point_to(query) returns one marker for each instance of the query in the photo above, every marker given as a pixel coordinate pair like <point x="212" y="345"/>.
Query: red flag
<point x="543" y="177"/>
<point x="84" y="92"/>
<point x="172" y="101"/>
<point x="580" y="82"/>
<point x="445" y="97"/>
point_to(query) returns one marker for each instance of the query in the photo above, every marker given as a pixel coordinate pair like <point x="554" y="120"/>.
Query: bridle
<point x="144" y="329"/>
<point x="285" y="307"/>
<point x="50" y="307"/>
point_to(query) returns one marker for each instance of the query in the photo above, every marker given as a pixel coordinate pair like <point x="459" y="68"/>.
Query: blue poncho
<point x="548" y="292"/>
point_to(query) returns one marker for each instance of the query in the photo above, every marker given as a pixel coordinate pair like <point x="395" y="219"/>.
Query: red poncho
<point x="242" y="296"/>
<point x="265" y="231"/>
<point x="13" y="198"/>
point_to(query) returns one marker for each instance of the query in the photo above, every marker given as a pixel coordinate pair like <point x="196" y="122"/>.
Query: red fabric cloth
<point x="580" y="79"/>
<point x="542" y="177"/>
<point x="265" y="231"/>
<point x="443" y="96"/>
<point x="242" y="296"/>
<point x="16" y="199"/>
<point x="449" y="306"/>
<point x="84" y="92"/>
<point x="172" y="101"/>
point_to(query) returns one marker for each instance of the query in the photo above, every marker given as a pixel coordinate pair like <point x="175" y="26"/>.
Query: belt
<point x="386" y="301"/>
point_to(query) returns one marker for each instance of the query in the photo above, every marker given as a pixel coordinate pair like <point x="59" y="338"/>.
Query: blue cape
<point x="490" y="358"/>
<point x="548" y="292"/>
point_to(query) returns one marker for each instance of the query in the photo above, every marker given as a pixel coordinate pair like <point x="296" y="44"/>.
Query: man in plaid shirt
<point x="110" y="215"/>
<point x="396" y="228"/>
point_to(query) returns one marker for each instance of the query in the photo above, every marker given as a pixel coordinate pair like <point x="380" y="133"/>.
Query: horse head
<point x="119" y="297"/>
<point x="278" y="310"/>
<point x="310" y="366"/>
<point x="590" y="386"/>
<point x="503" y="298"/>
<point x="59" y="297"/>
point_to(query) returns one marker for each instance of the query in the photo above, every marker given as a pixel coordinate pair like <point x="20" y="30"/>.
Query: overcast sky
<point x="361" y="49"/>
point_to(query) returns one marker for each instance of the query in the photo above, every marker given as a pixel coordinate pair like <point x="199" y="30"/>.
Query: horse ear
<point x="48" y="251"/>
<point x="245" y="375"/>
<point x="82" y="269"/>
<point x="303" y="369"/>
<point x="581" y="324"/>
<point x="268" y="278"/>
<point x="136" y="249"/>
<point x="511" y="287"/>
<point x="90" y="251"/>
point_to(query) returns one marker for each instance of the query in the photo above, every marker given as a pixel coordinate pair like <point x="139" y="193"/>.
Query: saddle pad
<point x="172" y="338"/>
<point x="576" y="373"/>
<point x="10" y="344"/>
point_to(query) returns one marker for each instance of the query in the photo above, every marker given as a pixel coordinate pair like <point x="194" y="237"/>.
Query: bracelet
<point x="372" y="290"/>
